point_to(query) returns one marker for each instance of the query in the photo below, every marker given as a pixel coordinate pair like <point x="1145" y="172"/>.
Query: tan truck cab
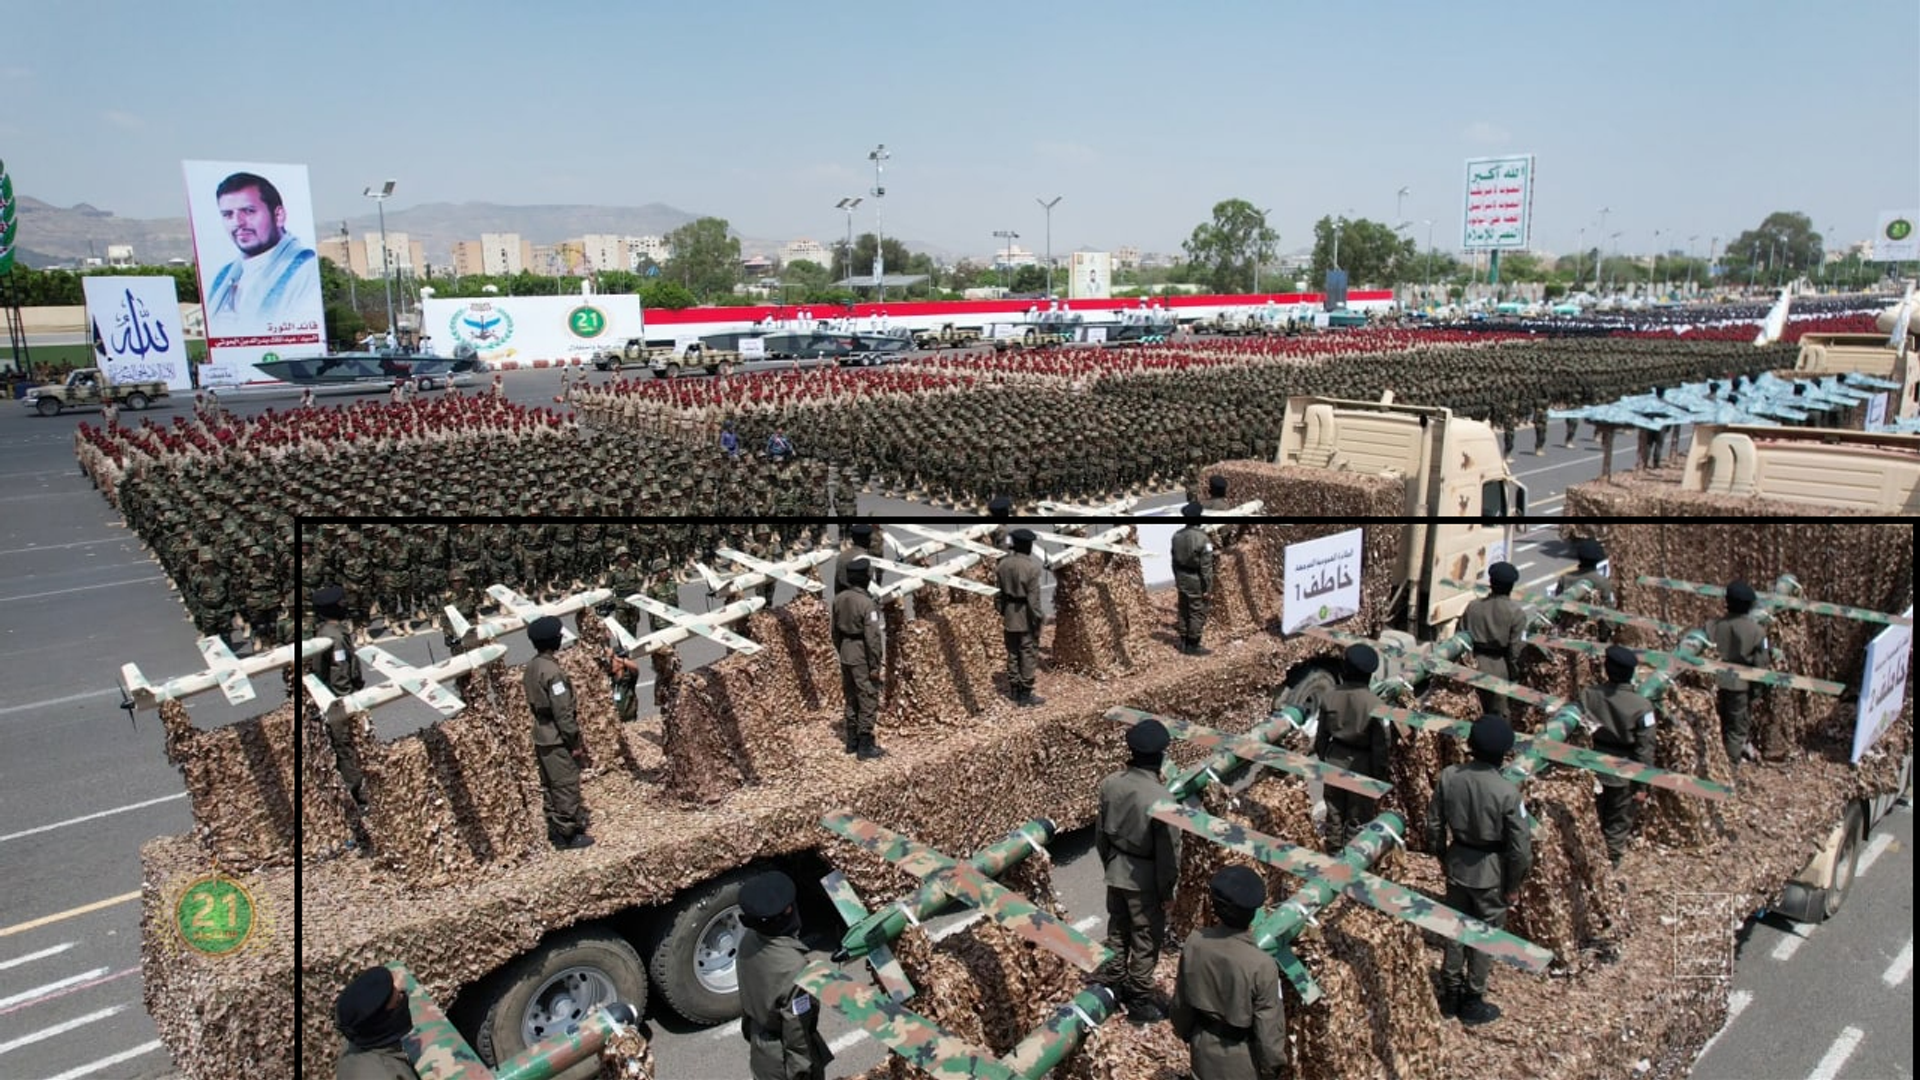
<point x="91" y="387"/>
<point x="1855" y="470"/>
<point x="1455" y="475"/>
<point x="1868" y="354"/>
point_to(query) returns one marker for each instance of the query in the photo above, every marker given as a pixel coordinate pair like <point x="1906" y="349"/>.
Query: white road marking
<point x="68" y="700"/>
<point x="41" y="955"/>
<point x="1086" y="924"/>
<point x="92" y="1067"/>
<point x="82" y="588"/>
<point x="1837" y="1054"/>
<point x="840" y="1044"/>
<point x="90" y="817"/>
<point x="1874" y="850"/>
<point x="39" y="992"/>
<point x="75" y="544"/>
<point x="1901" y="967"/>
<point x="60" y="1028"/>
<point x="1791" y="943"/>
<point x="1737" y="1003"/>
<point x="1578" y="462"/>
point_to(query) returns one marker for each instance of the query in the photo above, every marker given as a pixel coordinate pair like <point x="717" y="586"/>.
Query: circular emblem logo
<point x="1899" y="229"/>
<point x="482" y="326"/>
<point x="214" y="915"/>
<point x="587" y="321"/>
<point x="269" y="358"/>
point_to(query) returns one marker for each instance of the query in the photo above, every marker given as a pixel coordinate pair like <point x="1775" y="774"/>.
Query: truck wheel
<point x="692" y="962"/>
<point x="48" y="406"/>
<point x="1307" y="691"/>
<point x="673" y="371"/>
<point x="1845" y="866"/>
<point x="136" y="401"/>
<point x="722" y="369"/>
<point x="560" y="983"/>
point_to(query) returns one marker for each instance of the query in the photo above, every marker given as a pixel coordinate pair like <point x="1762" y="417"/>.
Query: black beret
<point x="1741" y="593"/>
<point x="544" y="628"/>
<point x="862" y="532"/>
<point x="1148" y="737"/>
<point x="1022" y="536"/>
<point x="1623" y="660"/>
<point x="1363" y="659"/>
<point x="361" y="1010"/>
<point x="1503" y="573"/>
<point x="999" y="504"/>
<point x="1192" y="509"/>
<point x="1239" y="886"/>
<point x="1217" y="484"/>
<point x="766" y="895"/>
<point x="329" y="596"/>
<point x="1589" y="552"/>
<point x="860" y="568"/>
<point x="1492" y="737"/>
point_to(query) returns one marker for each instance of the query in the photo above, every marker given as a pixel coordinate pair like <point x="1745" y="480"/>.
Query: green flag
<point x="8" y="224"/>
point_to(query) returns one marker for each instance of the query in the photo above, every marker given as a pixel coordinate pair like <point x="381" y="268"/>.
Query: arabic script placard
<point x="134" y="326"/>
<point x="1322" y="584"/>
<point x="1499" y="204"/>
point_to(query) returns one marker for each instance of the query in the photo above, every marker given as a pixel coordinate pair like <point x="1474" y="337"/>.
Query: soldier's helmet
<point x="621" y="552"/>
<point x="659" y="565"/>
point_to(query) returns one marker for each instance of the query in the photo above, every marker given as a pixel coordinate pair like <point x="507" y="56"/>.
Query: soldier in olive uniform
<point x="1350" y="737"/>
<point x="1226" y="999"/>
<point x="1497" y="626"/>
<point x="1193" y="577"/>
<point x="1000" y="511"/>
<point x="856" y="640"/>
<point x="1624" y="728"/>
<point x="556" y="736"/>
<point x="1591" y="554"/>
<point x="374" y="1020"/>
<point x="339" y="670"/>
<point x="780" y="1021"/>
<point x="1478" y="825"/>
<point x="1739" y="640"/>
<point x="214" y="611"/>
<point x="1141" y="857"/>
<point x="1018" y="576"/>
<point x="859" y="542"/>
<point x="625" y="579"/>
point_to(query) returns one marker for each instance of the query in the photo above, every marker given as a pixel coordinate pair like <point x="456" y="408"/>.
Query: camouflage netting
<point x="219" y="1016"/>
<point x="1102" y="622"/>
<point x="240" y="783"/>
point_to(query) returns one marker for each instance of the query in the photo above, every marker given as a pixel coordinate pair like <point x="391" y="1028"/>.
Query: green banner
<point x="8" y="222"/>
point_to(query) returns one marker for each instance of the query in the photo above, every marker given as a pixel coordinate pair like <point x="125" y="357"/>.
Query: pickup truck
<point x="91" y="387"/>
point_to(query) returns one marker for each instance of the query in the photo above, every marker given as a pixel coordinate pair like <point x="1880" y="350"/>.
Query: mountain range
<point x="52" y="236"/>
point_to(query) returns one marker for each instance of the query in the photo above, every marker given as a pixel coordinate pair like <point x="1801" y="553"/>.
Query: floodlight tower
<point x="877" y="155"/>
<point x="380" y="198"/>
<point x="848" y="204"/>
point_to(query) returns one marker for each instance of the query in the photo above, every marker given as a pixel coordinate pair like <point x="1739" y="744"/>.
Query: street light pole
<point x="1580" y="248"/>
<point x="848" y="204"/>
<point x="1429" y="259"/>
<point x="353" y="290"/>
<point x="1691" y="240"/>
<point x="1597" y="264"/>
<point x="1256" y="250"/>
<point x="1613" y="247"/>
<point x="380" y="198"/>
<point x="1048" y="207"/>
<point x="1006" y="264"/>
<point x="1399" y="203"/>
<point x="877" y="155"/>
<point x="1653" y="264"/>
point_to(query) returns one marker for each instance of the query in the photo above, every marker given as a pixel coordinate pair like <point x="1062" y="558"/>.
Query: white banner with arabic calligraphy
<point x="134" y="324"/>
<point x="1883" y="689"/>
<point x="1322" y="583"/>
<point x="253" y="240"/>
<point x="1499" y="204"/>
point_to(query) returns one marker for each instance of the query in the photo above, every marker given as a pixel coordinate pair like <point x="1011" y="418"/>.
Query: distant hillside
<point x="50" y="234"/>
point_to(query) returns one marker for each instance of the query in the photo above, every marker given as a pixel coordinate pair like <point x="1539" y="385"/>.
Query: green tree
<point x="1370" y="252"/>
<point x="1029" y="279"/>
<point x="1782" y="247"/>
<point x="706" y="258"/>
<point x="864" y="246"/>
<point x="618" y="282"/>
<point x="807" y="277"/>
<point x="664" y="293"/>
<point x="1223" y="252"/>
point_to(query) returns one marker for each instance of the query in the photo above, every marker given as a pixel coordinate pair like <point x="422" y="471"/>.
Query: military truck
<point x="668" y="361"/>
<point x="1453" y="469"/>
<point x="1832" y="467"/>
<point x="1868" y="354"/>
<point x="948" y="336"/>
<point x="90" y="387"/>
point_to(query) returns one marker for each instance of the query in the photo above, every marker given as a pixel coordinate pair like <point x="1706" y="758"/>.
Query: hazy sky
<point x="1695" y="117"/>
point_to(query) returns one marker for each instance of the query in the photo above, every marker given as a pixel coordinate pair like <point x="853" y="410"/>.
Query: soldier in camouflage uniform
<point x="780" y="1022"/>
<point x="262" y="598"/>
<point x="213" y="612"/>
<point x="1141" y="860"/>
<point x="463" y="596"/>
<point x="1226" y="1001"/>
<point x="1478" y="825"/>
<point x="1497" y="626"/>
<point x="857" y="642"/>
<point x="339" y="670"/>
<point x="1350" y="737"/>
<point x="1622" y="726"/>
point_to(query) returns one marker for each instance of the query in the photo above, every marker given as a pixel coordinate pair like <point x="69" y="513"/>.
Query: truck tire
<point x="136" y="401"/>
<point x="673" y="371"/>
<point x="723" y="369"/>
<point x="1307" y="689"/>
<point x="1845" y="867"/>
<point x="48" y="406"/>
<point x="561" y="982"/>
<point x="692" y="958"/>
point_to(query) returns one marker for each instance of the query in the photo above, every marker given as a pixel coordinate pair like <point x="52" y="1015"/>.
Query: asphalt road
<point x="81" y="789"/>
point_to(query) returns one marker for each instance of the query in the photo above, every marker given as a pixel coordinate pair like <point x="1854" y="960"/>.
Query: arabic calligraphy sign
<point x="1499" y="204"/>
<point x="1322" y="583"/>
<point x="1883" y="687"/>
<point x="134" y="326"/>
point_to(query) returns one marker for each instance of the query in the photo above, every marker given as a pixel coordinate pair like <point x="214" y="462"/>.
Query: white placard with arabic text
<point x="753" y="348"/>
<point x="1877" y="409"/>
<point x="1322" y="583"/>
<point x="1883" y="685"/>
<point x="1499" y="204"/>
<point x="134" y="324"/>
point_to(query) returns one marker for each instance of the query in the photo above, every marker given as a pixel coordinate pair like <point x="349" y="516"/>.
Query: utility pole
<point x="380" y="198"/>
<point x="1598" y="248"/>
<point x="353" y="290"/>
<point x="848" y="204"/>
<point x="1256" y="250"/>
<point x="1048" y="207"/>
<point x="1399" y="199"/>
<point x="1429" y="259"/>
<point x="1006" y="264"/>
<point x="1690" y="242"/>
<point x="877" y="155"/>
